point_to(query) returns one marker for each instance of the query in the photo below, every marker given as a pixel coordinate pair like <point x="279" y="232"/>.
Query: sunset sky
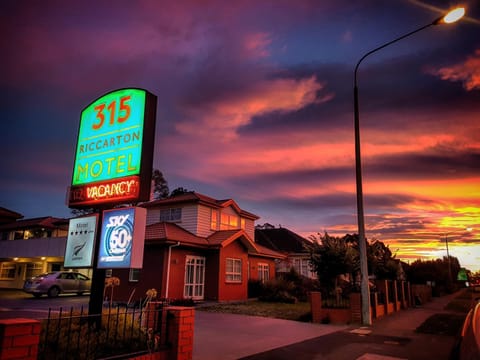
<point x="255" y="103"/>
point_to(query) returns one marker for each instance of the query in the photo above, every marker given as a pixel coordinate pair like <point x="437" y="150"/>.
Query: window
<point x="214" y="219"/>
<point x="171" y="215"/>
<point x="228" y="222"/>
<point x="233" y="270"/>
<point x="55" y="267"/>
<point x="242" y="223"/>
<point x="134" y="275"/>
<point x="33" y="269"/>
<point x="194" y="277"/>
<point x="302" y="266"/>
<point x="81" y="277"/>
<point x="7" y="271"/>
<point x="263" y="272"/>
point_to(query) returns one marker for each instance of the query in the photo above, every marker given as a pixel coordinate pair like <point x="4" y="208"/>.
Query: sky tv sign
<point x="114" y="153"/>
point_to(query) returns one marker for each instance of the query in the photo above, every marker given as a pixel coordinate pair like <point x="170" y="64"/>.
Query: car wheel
<point x="37" y="295"/>
<point x="53" y="291"/>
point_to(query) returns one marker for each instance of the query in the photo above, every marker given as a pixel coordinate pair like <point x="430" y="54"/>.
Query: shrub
<point x="302" y="285"/>
<point x="255" y="288"/>
<point x="278" y="290"/>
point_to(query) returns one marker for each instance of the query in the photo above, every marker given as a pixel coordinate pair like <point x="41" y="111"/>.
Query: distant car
<point x="56" y="283"/>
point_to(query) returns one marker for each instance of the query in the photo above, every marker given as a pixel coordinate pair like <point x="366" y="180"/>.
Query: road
<point x="16" y="303"/>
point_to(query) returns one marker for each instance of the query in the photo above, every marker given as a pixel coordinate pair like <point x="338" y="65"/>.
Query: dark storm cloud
<point x="446" y="163"/>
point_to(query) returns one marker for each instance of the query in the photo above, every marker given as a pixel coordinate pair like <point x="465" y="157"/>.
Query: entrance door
<point x="194" y="277"/>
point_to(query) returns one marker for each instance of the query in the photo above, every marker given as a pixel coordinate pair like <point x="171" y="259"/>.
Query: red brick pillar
<point x="180" y="332"/>
<point x="356" y="307"/>
<point x="19" y="338"/>
<point x="316" y="306"/>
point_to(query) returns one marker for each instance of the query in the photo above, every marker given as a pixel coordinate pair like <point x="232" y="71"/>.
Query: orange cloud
<point x="223" y="118"/>
<point x="468" y="72"/>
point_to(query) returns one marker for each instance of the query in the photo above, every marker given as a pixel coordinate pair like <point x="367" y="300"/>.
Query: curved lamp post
<point x="450" y="17"/>
<point x="468" y="229"/>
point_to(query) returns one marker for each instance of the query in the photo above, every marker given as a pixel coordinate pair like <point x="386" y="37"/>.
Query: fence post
<point x="180" y="332"/>
<point x="316" y="306"/>
<point x="19" y="338"/>
<point x="356" y="307"/>
<point x="374" y="304"/>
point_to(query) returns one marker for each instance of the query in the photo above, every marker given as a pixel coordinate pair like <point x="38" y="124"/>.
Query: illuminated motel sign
<point x="113" y="161"/>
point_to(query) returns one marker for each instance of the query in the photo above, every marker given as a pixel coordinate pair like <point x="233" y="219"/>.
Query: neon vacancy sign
<point x="113" y="160"/>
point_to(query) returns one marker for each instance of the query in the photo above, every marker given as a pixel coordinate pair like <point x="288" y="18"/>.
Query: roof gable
<point x="46" y="222"/>
<point x="193" y="197"/>
<point x="7" y="215"/>
<point x="165" y="232"/>
<point x="224" y="238"/>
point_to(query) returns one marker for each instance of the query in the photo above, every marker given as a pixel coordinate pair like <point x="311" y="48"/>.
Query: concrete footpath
<point x="227" y="336"/>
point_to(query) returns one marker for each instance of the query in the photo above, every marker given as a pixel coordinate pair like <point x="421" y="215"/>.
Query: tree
<point x="381" y="263"/>
<point x="331" y="257"/>
<point x="160" y="185"/>
<point x="436" y="272"/>
<point x="178" y="191"/>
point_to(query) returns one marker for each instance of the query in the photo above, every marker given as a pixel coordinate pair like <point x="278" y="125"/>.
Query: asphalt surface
<point x="393" y="337"/>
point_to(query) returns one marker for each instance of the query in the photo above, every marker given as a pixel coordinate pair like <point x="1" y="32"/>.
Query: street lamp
<point x="450" y="17"/>
<point x="448" y="260"/>
<point x="448" y="254"/>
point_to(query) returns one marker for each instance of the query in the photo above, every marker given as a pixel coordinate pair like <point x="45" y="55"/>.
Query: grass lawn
<point x="298" y="312"/>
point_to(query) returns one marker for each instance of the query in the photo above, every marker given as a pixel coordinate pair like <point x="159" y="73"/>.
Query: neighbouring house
<point x="292" y="245"/>
<point x="8" y="216"/>
<point x="29" y="247"/>
<point x="199" y="248"/>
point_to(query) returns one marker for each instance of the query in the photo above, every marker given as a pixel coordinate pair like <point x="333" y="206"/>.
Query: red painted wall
<point x="230" y="290"/>
<point x="254" y="261"/>
<point x="153" y="275"/>
<point x="212" y="275"/>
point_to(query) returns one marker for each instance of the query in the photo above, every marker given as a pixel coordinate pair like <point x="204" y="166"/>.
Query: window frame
<point x="171" y="215"/>
<point x="262" y="270"/>
<point x="11" y="268"/>
<point x="214" y="219"/>
<point x="229" y="221"/>
<point x="134" y="275"/>
<point x="233" y="273"/>
<point x="33" y="269"/>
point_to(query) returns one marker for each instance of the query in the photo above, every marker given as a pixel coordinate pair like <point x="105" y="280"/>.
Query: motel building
<point x="30" y="247"/>
<point x="195" y="247"/>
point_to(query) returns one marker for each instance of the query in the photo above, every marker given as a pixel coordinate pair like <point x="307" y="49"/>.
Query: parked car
<point x="56" y="283"/>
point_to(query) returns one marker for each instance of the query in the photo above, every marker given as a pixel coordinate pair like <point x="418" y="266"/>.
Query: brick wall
<point x="19" y="339"/>
<point x="180" y="324"/>
<point x="327" y="315"/>
<point x="180" y="332"/>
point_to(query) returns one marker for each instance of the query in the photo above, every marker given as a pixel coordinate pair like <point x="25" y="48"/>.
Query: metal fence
<point x="335" y="302"/>
<point x="118" y="333"/>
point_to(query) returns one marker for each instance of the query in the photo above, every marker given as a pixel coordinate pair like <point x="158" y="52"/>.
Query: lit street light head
<point x="451" y="17"/>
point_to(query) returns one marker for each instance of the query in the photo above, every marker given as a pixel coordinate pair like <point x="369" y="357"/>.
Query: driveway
<point x="229" y="336"/>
